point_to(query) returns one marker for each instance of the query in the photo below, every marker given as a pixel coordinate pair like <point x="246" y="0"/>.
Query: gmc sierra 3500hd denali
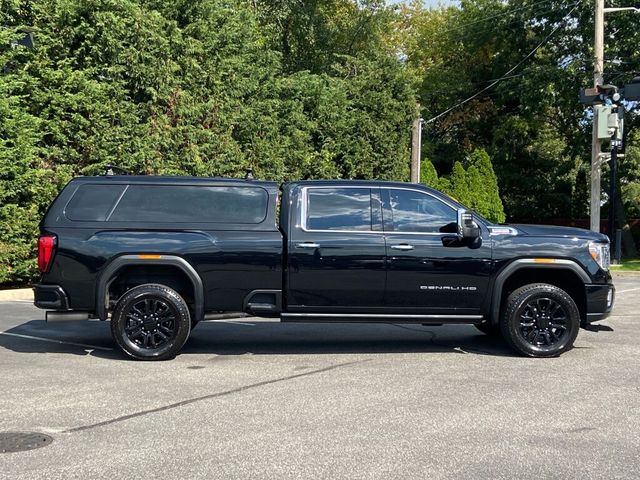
<point x="157" y="254"/>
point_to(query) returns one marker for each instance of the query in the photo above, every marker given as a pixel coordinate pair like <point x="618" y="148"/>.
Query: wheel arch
<point x="530" y="270"/>
<point x="110" y="272"/>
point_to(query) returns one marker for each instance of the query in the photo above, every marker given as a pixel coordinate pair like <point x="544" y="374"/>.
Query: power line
<point x="503" y="14"/>
<point x="504" y="77"/>
<point x="509" y="72"/>
<point x="476" y="33"/>
<point x="498" y="15"/>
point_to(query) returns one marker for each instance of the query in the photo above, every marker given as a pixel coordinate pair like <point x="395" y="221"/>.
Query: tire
<point x="151" y="322"/>
<point x="489" y="329"/>
<point x="540" y="320"/>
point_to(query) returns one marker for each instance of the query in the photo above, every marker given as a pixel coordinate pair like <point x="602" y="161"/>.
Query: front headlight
<point x="600" y="253"/>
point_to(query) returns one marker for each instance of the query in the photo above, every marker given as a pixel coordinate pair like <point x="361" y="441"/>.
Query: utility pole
<point x="608" y="119"/>
<point x="598" y="79"/>
<point x="416" y="148"/>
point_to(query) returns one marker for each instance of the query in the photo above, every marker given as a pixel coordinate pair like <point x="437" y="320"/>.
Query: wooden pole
<point x="416" y="147"/>
<point x="598" y="69"/>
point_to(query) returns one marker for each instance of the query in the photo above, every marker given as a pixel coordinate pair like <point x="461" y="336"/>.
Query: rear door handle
<point x="402" y="246"/>
<point x="307" y="245"/>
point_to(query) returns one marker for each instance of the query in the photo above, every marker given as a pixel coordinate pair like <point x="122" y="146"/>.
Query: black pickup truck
<point x="157" y="255"/>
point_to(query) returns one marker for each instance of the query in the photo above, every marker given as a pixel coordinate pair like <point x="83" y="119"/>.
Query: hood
<point x="553" y="231"/>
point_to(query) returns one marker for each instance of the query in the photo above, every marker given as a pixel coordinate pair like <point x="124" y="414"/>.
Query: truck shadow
<point x="262" y="338"/>
<point x="74" y="338"/>
<point x="268" y="338"/>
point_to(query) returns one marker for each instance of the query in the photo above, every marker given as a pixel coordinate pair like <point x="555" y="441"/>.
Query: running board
<point x="379" y="317"/>
<point x="66" y="316"/>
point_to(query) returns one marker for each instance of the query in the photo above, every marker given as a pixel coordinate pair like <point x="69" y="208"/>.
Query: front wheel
<point x="540" y="320"/>
<point x="151" y="322"/>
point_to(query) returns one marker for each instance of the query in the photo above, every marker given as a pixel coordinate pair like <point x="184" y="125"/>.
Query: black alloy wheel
<point x="543" y="322"/>
<point x="540" y="320"/>
<point x="151" y="322"/>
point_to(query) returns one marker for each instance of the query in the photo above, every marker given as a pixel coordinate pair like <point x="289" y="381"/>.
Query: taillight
<point x="46" y="248"/>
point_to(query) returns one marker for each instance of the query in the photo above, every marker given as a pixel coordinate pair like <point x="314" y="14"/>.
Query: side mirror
<point x="468" y="229"/>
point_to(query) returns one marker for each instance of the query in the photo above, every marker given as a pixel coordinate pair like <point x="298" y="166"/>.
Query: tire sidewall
<point x="516" y="304"/>
<point x="175" y="302"/>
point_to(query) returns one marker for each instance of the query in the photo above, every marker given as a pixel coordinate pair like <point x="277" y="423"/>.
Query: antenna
<point x="111" y="170"/>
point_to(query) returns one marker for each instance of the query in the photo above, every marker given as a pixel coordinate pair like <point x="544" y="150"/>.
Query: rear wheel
<point x="151" y="322"/>
<point x="540" y="320"/>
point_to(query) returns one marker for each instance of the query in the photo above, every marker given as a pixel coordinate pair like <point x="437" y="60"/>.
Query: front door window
<point x="417" y="212"/>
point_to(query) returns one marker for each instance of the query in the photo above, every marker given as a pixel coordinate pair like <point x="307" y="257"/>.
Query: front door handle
<point x="307" y="245"/>
<point x="402" y="246"/>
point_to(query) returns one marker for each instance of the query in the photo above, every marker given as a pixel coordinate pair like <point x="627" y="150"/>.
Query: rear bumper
<point x="600" y="300"/>
<point x="50" y="297"/>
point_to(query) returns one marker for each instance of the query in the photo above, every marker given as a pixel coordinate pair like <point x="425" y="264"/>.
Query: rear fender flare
<point x="108" y="274"/>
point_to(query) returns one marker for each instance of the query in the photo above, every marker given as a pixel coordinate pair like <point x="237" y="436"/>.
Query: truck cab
<point x="382" y="250"/>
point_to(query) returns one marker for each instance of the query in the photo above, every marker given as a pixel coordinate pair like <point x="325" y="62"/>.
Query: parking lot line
<point x="43" y="339"/>
<point x="628" y="290"/>
<point x="213" y="395"/>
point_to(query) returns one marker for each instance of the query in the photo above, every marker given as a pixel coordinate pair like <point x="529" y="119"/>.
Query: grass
<point x="627" y="265"/>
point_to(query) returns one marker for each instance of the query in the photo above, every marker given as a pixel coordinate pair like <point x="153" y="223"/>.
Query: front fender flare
<point x="521" y="263"/>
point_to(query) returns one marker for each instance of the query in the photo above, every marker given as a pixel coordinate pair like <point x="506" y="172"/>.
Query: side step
<point x="380" y="317"/>
<point x="66" y="316"/>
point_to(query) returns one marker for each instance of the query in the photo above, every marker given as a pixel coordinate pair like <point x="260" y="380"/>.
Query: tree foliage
<point x="307" y="89"/>
<point x="536" y="133"/>
<point x="475" y="186"/>
<point x="290" y="89"/>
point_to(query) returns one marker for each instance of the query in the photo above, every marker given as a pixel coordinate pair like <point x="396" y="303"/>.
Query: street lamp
<point x="621" y="9"/>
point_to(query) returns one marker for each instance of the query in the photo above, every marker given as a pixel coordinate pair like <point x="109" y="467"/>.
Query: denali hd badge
<point x="448" y="288"/>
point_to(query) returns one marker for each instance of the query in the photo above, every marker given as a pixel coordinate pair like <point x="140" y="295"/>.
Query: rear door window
<point x="338" y="209"/>
<point x="192" y="204"/>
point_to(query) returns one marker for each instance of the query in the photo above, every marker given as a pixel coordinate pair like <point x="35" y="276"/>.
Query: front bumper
<point x="600" y="300"/>
<point x="50" y="297"/>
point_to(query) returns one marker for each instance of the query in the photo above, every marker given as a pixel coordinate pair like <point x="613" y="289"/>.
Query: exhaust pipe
<point x="66" y="316"/>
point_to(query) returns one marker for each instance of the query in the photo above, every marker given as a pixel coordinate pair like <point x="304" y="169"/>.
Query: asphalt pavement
<point x="250" y="398"/>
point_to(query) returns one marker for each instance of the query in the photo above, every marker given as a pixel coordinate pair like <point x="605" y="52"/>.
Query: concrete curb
<point x="16" y="294"/>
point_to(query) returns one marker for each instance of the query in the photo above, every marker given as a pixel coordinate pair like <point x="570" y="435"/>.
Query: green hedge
<point x="192" y="88"/>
